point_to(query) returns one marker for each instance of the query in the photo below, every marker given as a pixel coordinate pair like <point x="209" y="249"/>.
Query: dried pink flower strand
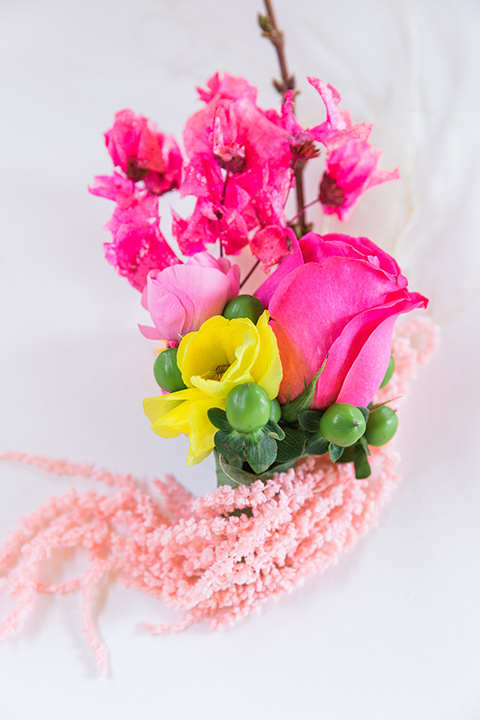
<point x="214" y="559"/>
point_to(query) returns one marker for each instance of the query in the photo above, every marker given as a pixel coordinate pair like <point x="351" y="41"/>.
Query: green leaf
<point x="263" y="22"/>
<point x="291" y="410"/>
<point x="292" y="446"/>
<point x="360" y="461"/>
<point x="261" y="454"/>
<point x="218" y="418"/>
<point x="364" y="444"/>
<point x="365" y="412"/>
<point x="336" y="452"/>
<point x="274" y="430"/>
<point x="310" y="420"/>
<point x="231" y="444"/>
<point x="315" y="444"/>
<point x="347" y="455"/>
<point x="373" y="408"/>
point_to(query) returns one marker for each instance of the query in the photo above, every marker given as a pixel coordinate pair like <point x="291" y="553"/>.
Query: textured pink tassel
<point x="193" y="554"/>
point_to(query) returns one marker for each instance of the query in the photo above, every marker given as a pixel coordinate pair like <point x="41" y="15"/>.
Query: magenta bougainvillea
<point x="240" y="165"/>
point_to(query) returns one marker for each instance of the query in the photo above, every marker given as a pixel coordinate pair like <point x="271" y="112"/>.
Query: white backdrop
<point x="393" y="631"/>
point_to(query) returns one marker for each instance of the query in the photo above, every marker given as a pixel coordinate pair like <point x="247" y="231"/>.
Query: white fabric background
<point x="392" y="631"/>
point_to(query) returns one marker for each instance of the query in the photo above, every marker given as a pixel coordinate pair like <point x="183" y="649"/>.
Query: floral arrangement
<point x="291" y="370"/>
<point x="294" y="388"/>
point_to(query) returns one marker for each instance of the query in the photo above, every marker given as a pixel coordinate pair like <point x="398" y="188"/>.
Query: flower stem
<point x="272" y="32"/>
<point x="300" y="196"/>
<point x="250" y="273"/>
<point x="295" y="217"/>
<point x="276" y="37"/>
<point x="222" y="201"/>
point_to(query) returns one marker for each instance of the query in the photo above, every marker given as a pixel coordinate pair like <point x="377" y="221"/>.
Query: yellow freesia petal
<point x="200" y="353"/>
<point x="233" y="334"/>
<point x="245" y="355"/>
<point x="157" y="407"/>
<point x="267" y="369"/>
<point x="168" y="413"/>
<point x="202" y="432"/>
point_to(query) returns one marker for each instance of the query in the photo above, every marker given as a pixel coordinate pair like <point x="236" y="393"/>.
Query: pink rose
<point x="181" y="297"/>
<point x="338" y="296"/>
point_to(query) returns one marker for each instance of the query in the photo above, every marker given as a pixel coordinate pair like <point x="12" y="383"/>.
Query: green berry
<point x="382" y="426"/>
<point x="166" y="371"/>
<point x="276" y="412"/>
<point x="244" y="306"/>
<point x="342" y="424"/>
<point x="248" y="407"/>
<point x="390" y="371"/>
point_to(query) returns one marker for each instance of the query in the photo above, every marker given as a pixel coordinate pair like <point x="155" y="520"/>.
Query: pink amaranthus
<point x="214" y="559"/>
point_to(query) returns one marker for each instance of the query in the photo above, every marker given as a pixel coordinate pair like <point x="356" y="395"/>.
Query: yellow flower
<point x="222" y="354"/>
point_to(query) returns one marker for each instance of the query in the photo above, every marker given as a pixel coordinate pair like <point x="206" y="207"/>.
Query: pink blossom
<point x="213" y="220"/>
<point x="270" y="245"/>
<point x="339" y="303"/>
<point x="221" y="213"/>
<point x="118" y="188"/>
<point x="138" y="245"/>
<point x="301" y="140"/>
<point x="143" y="153"/>
<point x="227" y="87"/>
<point x="180" y="298"/>
<point x="290" y="261"/>
<point x="338" y="126"/>
<point x="229" y="154"/>
<point x="351" y="163"/>
<point x="351" y="170"/>
<point x="240" y="163"/>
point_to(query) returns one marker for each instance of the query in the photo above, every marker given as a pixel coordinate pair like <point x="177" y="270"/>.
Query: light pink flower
<point x="143" y="153"/>
<point x="180" y="298"/>
<point x="338" y="302"/>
